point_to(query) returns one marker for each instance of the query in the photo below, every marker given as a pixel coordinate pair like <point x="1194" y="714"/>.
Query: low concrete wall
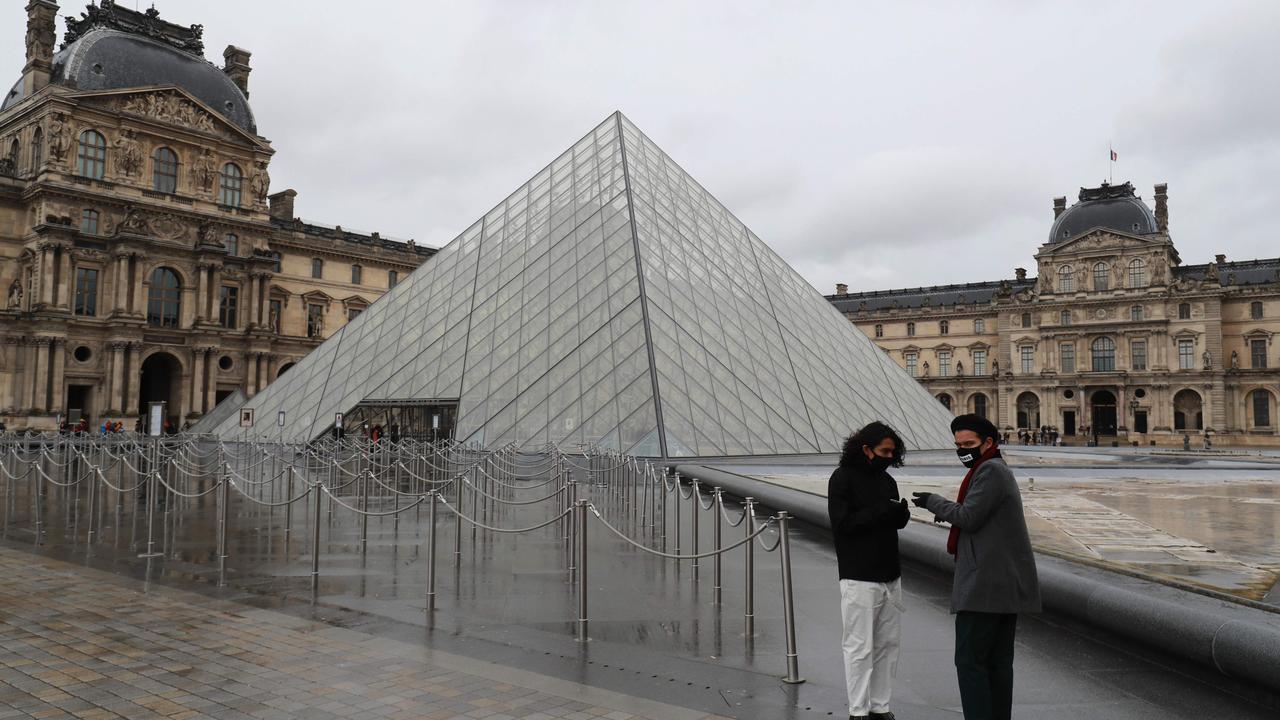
<point x="1237" y="641"/>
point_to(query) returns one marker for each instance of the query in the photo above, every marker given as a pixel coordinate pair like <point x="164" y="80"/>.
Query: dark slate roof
<point x="980" y="293"/>
<point x="109" y="59"/>
<point x="1235" y="274"/>
<point x="1113" y="207"/>
<point x="351" y="236"/>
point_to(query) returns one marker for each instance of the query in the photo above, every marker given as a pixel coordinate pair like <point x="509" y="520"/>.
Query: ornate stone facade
<point x="141" y="255"/>
<point x="1114" y="337"/>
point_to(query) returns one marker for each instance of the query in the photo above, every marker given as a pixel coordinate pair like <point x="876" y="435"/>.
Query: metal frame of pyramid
<point x="611" y="300"/>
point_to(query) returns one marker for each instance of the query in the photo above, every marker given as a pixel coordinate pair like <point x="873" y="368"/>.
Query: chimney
<point x="237" y="67"/>
<point x="282" y="204"/>
<point x="1059" y="206"/>
<point x="842" y="289"/>
<point x="1219" y="259"/>
<point x="1162" y="208"/>
<point x="42" y="16"/>
<point x="1021" y="273"/>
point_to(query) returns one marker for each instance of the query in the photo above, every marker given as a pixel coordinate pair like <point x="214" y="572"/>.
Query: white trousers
<point x="872" y="615"/>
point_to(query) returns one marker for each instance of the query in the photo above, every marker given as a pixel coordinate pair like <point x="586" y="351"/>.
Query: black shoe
<point x="881" y="716"/>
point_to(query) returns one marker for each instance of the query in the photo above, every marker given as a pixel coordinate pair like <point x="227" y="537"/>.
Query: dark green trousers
<point x="984" y="664"/>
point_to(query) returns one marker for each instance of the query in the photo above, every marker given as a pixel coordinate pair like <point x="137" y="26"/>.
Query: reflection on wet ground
<point x="1211" y="521"/>
<point x="655" y="630"/>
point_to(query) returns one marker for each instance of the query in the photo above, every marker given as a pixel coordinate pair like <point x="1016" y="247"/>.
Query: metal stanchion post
<point x="693" y="524"/>
<point x="457" y="520"/>
<point x="431" y="554"/>
<point x="152" y="470"/>
<point x="93" y="506"/>
<point x="677" y="500"/>
<point x="571" y="546"/>
<point x="582" y="570"/>
<point x="365" y="476"/>
<point x="224" y="503"/>
<point x="315" y="540"/>
<point x="717" y="541"/>
<point x="288" y="509"/>
<point x="788" y="606"/>
<point x="749" y="613"/>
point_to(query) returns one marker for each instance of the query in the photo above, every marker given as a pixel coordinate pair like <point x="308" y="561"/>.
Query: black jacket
<point x="865" y="519"/>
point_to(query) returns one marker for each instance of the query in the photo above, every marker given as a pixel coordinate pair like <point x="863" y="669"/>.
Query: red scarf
<point x="953" y="538"/>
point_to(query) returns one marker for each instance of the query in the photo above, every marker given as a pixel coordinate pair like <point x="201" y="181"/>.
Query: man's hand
<point x="921" y="499"/>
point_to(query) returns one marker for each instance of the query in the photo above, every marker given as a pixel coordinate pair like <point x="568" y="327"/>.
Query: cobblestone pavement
<point x="81" y="643"/>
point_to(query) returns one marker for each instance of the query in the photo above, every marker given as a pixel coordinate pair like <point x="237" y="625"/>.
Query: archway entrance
<point x="1103" y="407"/>
<point x="1028" y="411"/>
<point x="1188" y="411"/>
<point x="162" y="382"/>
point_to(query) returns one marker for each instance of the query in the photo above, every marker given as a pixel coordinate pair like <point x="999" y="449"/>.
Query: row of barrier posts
<point x="473" y="486"/>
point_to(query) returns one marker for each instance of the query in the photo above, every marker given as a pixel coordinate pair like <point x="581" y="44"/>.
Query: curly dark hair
<point x="870" y="436"/>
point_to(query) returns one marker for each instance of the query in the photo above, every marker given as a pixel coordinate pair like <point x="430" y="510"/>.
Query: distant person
<point x="995" y="576"/>
<point x="866" y="514"/>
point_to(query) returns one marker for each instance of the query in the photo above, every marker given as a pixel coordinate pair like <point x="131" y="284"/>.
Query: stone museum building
<point x="1114" y="337"/>
<point x="143" y="255"/>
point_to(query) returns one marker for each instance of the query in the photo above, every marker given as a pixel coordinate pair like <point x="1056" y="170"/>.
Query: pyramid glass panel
<point x="611" y="300"/>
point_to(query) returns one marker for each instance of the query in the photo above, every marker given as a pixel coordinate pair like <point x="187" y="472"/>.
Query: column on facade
<point x="139" y="291"/>
<point x="211" y="391"/>
<point x="264" y="363"/>
<point x="198" y="357"/>
<point x="263" y="293"/>
<point x="7" y="390"/>
<point x="128" y="404"/>
<point x="66" y="283"/>
<point x="122" y="284"/>
<point x="251" y="374"/>
<point x="1124" y="414"/>
<point x="202" y="293"/>
<point x="249" y="319"/>
<point x="116" y="395"/>
<point x="40" y="378"/>
<point x="59" y="349"/>
<point x="46" y="274"/>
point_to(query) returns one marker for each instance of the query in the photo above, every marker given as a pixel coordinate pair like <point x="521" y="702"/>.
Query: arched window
<point x="1064" y="317"/>
<point x="37" y="150"/>
<point x="879" y="330"/>
<point x="980" y="405"/>
<point x="1066" y="279"/>
<point x="945" y="399"/>
<point x="944" y="327"/>
<point x="91" y="155"/>
<point x="1184" y="311"/>
<point x="911" y="329"/>
<point x="1101" y="276"/>
<point x="317" y="268"/>
<point x="1104" y="355"/>
<point x="1136" y="313"/>
<point x="1255" y="311"/>
<point x="1261" y="401"/>
<point x="164" y="171"/>
<point x="1137" y="273"/>
<point x="230" y="185"/>
<point x="232" y="243"/>
<point x="164" y="298"/>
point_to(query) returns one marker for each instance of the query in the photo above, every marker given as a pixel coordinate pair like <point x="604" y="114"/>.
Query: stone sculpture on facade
<point x="15" y="295"/>
<point x="260" y="184"/>
<point x="128" y="154"/>
<point x="202" y="171"/>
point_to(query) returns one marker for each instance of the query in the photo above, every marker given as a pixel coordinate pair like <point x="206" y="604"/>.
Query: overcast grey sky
<point x="879" y="144"/>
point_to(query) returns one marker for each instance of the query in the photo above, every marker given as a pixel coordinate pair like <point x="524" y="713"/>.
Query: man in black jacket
<point x="866" y="515"/>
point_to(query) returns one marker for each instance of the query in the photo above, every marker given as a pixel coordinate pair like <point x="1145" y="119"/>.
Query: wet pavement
<point x="656" y="634"/>
<point x="1206" y="520"/>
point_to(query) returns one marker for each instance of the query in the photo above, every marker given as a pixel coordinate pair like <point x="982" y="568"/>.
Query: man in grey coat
<point x="995" y="569"/>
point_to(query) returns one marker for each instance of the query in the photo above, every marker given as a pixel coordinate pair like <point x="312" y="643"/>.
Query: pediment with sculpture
<point x="170" y="105"/>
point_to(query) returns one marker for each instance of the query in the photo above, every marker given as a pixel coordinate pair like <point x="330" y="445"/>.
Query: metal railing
<point x="637" y="502"/>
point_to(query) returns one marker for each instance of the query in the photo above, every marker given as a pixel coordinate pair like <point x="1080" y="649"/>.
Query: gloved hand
<point x="902" y="506"/>
<point x="921" y="499"/>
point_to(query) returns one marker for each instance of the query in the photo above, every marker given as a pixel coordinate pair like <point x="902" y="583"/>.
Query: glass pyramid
<point x="611" y="300"/>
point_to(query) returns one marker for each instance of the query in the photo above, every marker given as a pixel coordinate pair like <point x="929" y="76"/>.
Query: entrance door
<point x="162" y="382"/>
<point x="1069" y="422"/>
<point x="1104" y="412"/>
<point x="1140" y="421"/>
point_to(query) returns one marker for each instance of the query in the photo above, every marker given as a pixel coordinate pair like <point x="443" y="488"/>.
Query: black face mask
<point x="880" y="464"/>
<point x="969" y="456"/>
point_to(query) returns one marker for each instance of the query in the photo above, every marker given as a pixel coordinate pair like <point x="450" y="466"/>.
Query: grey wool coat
<point x="995" y="567"/>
